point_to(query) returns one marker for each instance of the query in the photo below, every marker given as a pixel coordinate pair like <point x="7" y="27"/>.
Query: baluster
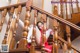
<point x="61" y="6"/>
<point x="26" y="24"/>
<point x="68" y="37"/>
<point x="72" y="7"/>
<point x="66" y="9"/>
<point x="13" y="41"/>
<point x="4" y="12"/>
<point x="10" y="15"/>
<point x="64" y="48"/>
<point x="44" y="18"/>
<point x="25" y="33"/>
<point x="55" y="12"/>
<point x="19" y="9"/>
<point x="55" y="25"/>
<point x="6" y="34"/>
<point x="4" y="15"/>
<point x="32" y="48"/>
<point x="75" y="51"/>
<point x="5" y="38"/>
<point x="77" y="5"/>
<point x="11" y="26"/>
<point x="18" y="12"/>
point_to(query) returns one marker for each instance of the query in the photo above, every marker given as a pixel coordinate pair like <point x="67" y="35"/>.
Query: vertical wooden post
<point x="61" y="6"/>
<point x="18" y="12"/>
<point x="77" y="5"/>
<point x="4" y="12"/>
<point x="64" y="48"/>
<point x="55" y="12"/>
<point x="55" y="36"/>
<point x="66" y="9"/>
<point x="6" y="34"/>
<point x="44" y="18"/>
<point x="13" y="41"/>
<point x="75" y="51"/>
<point x="72" y="7"/>
<point x="15" y="21"/>
<point x="32" y="48"/>
<point x="11" y="27"/>
<point x="68" y="37"/>
<point x="5" y="38"/>
<point x="26" y="24"/>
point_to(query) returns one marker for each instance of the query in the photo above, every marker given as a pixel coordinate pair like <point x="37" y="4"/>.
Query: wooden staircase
<point x="57" y="41"/>
<point x="71" y="14"/>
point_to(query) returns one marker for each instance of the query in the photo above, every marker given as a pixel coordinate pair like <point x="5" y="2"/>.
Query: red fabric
<point x="41" y="36"/>
<point x="47" y="47"/>
<point x="28" y="46"/>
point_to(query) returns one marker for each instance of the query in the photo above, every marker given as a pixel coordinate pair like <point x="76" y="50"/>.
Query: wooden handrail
<point x="44" y="12"/>
<point x="56" y="17"/>
<point x="49" y="15"/>
<point x="15" y="6"/>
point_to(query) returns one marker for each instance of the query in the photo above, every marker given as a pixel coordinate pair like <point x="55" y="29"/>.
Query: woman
<point x="39" y="31"/>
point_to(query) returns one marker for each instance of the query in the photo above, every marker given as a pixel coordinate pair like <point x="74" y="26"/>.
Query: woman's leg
<point x="38" y="36"/>
<point x="48" y="33"/>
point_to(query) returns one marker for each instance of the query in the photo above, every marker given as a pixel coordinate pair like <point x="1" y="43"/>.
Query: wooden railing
<point x="69" y="10"/>
<point x="13" y="22"/>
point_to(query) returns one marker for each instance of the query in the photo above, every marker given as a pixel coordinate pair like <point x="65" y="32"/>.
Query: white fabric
<point x="48" y="33"/>
<point x="38" y="34"/>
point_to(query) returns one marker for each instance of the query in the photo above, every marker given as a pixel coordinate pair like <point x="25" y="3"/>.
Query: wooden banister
<point x="77" y="4"/>
<point x="44" y="12"/>
<point x="61" y="5"/>
<point x="68" y="33"/>
<point x="15" y="6"/>
<point x="4" y="12"/>
<point x="66" y="8"/>
<point x="44" y="20"/>
<point x="72" y="7"/>
<point x="73" y="47"/>
<point x="27" y="21"/>
<point x="57" y="18"/>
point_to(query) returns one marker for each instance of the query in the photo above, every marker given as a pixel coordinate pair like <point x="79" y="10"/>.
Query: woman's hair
<point x="38" y="23"/>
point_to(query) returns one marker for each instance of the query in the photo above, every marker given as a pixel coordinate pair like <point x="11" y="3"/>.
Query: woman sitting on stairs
<point x="39" y="31"/>
<point x="39" y="40"/>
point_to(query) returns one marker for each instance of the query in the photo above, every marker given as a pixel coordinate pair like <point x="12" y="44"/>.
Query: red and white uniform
<point x="38" y="37"/>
